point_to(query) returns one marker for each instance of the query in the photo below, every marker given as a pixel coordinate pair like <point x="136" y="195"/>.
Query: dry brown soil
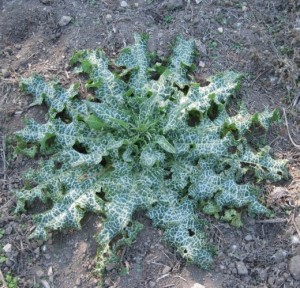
<point x="259" y="38"/>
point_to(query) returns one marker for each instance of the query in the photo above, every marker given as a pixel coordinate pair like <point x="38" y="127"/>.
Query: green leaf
<point x="233" y="217"/>
<point x="135" y="58"/>
<point x="94" y="122"/>
<point x="56" y="97"/>
<point x="165" y="144"/>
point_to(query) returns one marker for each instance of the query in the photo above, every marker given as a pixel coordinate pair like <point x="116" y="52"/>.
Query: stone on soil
<point x="7" y="248"/>
<point x="108" y="17"/>
<point x="249" y="237"/>
<point x="45" y="283"/>
<point x="166" y="270"/>
<point x="295" y="239"/>
<point x="110" y="266"/>
<point x="201" y="64"/>
<point x="279" y="256"/>
<point x="64" y="21"/>
<point x="5" y="73"/>
<point x="197" y="285"/>
<point x="241" y="268"/>
<point x="124" y="4"/>
<point x="294" y="267"/>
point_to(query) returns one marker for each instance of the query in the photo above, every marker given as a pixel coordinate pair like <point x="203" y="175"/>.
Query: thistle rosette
<point x="150" y="138"/>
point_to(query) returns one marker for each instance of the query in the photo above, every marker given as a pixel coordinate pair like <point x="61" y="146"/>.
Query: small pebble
<point x="7" y="248"/>
<point x="249" y="237"/>
<point x="233" y="247"/>
<point x="152" y="284"/>
<point x="220" y="30"/>
<point x="197" y="285"/>
<point x="279" y="256"/>
<point x="50" y="274"/>
<point x="241" y="268"/>
<point x="64" y="21"/>
<point x="108" y="17"/>
<point x="5" y="73"/>
<point x="294" y="267"/>
<point x="295" y="240"/>
<point x="110" y="266"/>
<point x="166" y="270"/>
<point x="124" y="4"/>
<point x="201" y="64"/>
<point x="263" y="274"/>
<point x="244" y="8"/>
<point x="45" y="283"/>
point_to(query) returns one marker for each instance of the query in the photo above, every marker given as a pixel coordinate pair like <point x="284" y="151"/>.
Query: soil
<point x="260" y="39"/>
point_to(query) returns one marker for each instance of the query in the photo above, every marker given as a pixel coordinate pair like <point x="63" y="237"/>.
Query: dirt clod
<point x="294" y="267"/>
<point x="5" y="73"/>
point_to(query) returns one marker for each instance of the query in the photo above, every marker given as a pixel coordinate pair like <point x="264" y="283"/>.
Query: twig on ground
<point x="295" y="224"/>
<point x="5" y="96"/>
<point x="164" y="253"/>
<point x="221" y="234"/>
<point x="274" y="140"/>
<point x="271" y="221"/>
<point x="169" y="285"/>
<point x="258" y="76"/>
<point x="4" y="159"/>
<point x="149" y="261"/>
<point x="288" y="130"/>
<point x="160" y="264"/>
<point x="178" y="276"/>
<point x="163" y="276"/>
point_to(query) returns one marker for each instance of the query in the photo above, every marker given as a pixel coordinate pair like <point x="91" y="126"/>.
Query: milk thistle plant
<point x="149" y="137"/>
